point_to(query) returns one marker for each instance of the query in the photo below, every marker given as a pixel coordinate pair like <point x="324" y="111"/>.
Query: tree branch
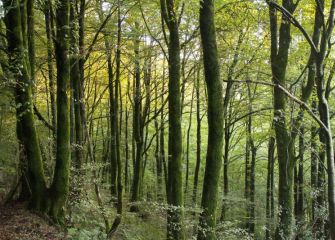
<point x="295" y="22"/>
<point x="42" y="119"/>
<point x="290" y="95"/>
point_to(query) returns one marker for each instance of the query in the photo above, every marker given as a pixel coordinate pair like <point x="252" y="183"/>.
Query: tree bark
<point x="137" y="124"/>
<point x="188" y="142"/>
<point x="215" y="121"/>
<point x="198" y="152"/>
<point x="26" y="131"/>
<point x="299" y="184"/>
<point x="175" y="181"/>
<point x="48" y="28"/>
<point x="270" y="187"/>
<point x="285" y="144"/>
<point x="60" y="185"/>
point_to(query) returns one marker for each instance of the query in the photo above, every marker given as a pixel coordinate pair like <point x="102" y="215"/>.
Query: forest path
<point x="17" y="223"/>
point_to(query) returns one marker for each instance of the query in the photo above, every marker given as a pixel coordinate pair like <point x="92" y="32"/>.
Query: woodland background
<point x="126" y="88"/>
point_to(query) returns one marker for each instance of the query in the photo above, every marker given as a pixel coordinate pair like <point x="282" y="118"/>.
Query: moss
<point x="60" y="185"/>
<point x="26" y="131"/>
<point x="215" y="121"/>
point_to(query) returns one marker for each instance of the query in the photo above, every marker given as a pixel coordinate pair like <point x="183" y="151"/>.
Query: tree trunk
<point x="188" y="143"/>
<point x="215" y="121"/>
<point x="112" y="113"/>
<point x="323" y="107"/>
<point x="78" y="135"/>
<point x="159" y="165"/>
<point x="175" y="181"/>
<point x="60" y="186"/>
<point x="314" y="168"/>
<point x="126" y="138"/>
<point x="251" y="151"/>
<point x="48" y="27"/>
<point x="137" y="124"/>
<point x="285" y="144"/>
<point x="31" y="39"/>
<point x="162" y="132"/>
<point x="198" y="152"/>
<point x="299" y="184"/>
<point x="119" y="208"/>
<point x="26" y="131"/>
<point x="269" y="188"/>
<point x="227" y="136"/>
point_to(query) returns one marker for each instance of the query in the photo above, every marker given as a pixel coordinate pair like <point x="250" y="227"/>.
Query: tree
<point x="285" y="143"/>
<point x="198" y="153"/>
<point x="175" y="181"/>
<point x="270" y="185"/>
<point x="19" y="64"/>
<point x="137" y="122"/>
<point x="76" y="98"/>
<point x="215" y="121"/>
<point x="60" y="185"/>
<point x="322" y="92"/>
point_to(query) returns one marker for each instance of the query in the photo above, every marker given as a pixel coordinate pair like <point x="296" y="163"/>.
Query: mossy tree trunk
<point x="162" y="132"/>
<point x="175" y="181"/>
<point x="215" y="121"/>
<point x="285" y="139"/>
<point x="19" y="69"/>
<point x="285" y="145"/>
<point x="60" y="185"/>
<point x="323" y="90"/>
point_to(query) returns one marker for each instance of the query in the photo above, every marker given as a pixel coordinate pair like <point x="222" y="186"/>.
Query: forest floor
<point x="17" y="223"/>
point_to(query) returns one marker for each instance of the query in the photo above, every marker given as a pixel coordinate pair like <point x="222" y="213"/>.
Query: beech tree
<point x="174" y="180"/>
<point x="60" y="185"/>
<point x="117" y="118"/>
<point x="215" y="121"/>
<point x="19" y="66"/>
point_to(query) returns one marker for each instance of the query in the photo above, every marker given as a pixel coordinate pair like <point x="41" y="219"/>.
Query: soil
<point x="17" y="223"/>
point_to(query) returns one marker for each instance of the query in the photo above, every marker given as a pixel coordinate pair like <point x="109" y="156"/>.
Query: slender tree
<point x="285" y="144"/>
<point x="49" y="34"/>
<point x="137" y="121"/>
<point x="78" y="133"/>
<point x="198" y="152"/>
<point x="119" y="209"/>
<point x="270" y="187"/>
<point x="188" y="142"/>
<point x="175" y="181"/>
<point x="299" y="182"/>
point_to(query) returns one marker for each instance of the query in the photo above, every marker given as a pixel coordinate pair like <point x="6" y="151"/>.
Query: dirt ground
<point x="17" y="223"/>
